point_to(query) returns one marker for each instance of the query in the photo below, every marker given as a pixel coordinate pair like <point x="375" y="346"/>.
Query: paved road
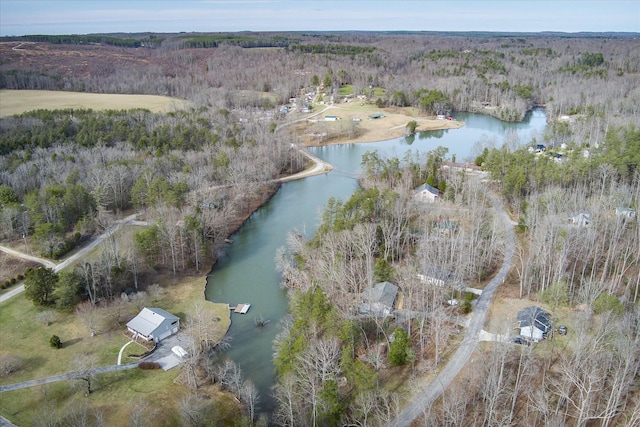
<point x="163" y="350"/>
<point x="5" y="422"/>
<point x="433" y="390"/>
<point x="67" y="376"/>
<point x="57" y="267"/>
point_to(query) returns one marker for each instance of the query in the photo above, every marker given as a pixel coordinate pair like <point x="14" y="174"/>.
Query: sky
<point x="20" y="17"/>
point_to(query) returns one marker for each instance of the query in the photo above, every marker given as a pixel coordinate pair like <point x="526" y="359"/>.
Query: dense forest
<point x="503" y="75"/>
<point x="69" y="174"/>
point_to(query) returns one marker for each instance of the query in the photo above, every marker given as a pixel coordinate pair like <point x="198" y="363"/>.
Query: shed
<point x="534" y="323"/>
<point x="376" y="116"/>
<point x="427" y="193"/>
<point x="379" y="299"/>
<point x="154" y="324"/>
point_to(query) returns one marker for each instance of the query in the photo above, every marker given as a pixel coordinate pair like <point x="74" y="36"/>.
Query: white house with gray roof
<point x="154" y="324"/>
<point x="534" y="323"/>
<point x="427" y="193"/>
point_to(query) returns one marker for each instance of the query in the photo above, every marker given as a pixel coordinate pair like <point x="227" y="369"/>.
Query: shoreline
<point x="354" y="125"/>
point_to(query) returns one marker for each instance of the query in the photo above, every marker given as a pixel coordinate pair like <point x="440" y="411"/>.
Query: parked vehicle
<point x="520" y="340"/>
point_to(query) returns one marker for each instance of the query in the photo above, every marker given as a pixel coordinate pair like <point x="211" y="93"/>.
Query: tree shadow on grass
<point x="34" y="361"/>
<point x="69" y="343"/>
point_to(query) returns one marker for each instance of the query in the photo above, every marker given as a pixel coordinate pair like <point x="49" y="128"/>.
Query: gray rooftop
<point x="149" y="319"/>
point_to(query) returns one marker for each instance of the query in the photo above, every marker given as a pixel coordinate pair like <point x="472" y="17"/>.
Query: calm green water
<point x="246" y="273"/>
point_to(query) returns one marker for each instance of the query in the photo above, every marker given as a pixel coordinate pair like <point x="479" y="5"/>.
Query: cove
<point x="246" y="272"/>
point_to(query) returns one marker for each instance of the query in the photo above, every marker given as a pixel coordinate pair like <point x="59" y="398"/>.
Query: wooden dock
<point x="240" y="308"/>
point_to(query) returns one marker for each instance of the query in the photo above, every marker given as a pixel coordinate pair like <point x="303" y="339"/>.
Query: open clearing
<point x="354" y="124"/>
<point x="27" y="338"/>
<point x="20" y="101"/>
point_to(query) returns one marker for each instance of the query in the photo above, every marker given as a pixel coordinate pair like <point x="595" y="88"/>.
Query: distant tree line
<point x="152" y="40"/>
<point x="209" y="41"/>
<point x="332" y="49"/>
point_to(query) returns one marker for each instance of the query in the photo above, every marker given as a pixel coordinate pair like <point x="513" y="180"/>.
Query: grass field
<point x="25" y="337"/>
<point x="20" y="101"/>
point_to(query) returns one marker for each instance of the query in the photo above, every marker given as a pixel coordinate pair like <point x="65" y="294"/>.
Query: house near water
<point x="379" y="300"/>
<point x="153" y="324"/>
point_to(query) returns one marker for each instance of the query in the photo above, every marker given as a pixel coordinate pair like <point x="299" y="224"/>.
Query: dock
<point x="240" y="308"/>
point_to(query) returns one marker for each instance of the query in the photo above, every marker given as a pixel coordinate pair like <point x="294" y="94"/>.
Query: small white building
<point x="427" y="193"/>
<point x="153" y="324"/>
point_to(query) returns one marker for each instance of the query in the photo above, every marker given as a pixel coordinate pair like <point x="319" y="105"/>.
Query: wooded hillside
<point x="194" y="174"/>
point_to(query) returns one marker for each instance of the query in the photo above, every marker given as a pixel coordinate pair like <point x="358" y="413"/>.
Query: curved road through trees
<point x="432" y="391"/>
<point x="57" y="267"/>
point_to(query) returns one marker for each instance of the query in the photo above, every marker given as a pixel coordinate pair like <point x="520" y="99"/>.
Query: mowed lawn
<point x="24" y="336"/>
<point x="20" y="101"/>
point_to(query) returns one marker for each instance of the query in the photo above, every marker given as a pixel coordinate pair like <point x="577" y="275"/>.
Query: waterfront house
<point x="153" y="324"/>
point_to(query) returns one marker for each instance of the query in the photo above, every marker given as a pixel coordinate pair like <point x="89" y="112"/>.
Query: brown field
<point x="71" y="60"/>
<point x="12" y="267"/>
<point x="20" y="101"/>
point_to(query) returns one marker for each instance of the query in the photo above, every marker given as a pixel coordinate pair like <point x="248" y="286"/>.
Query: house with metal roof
<point x="427" y="193"/>
<point x="534" y="323"/>
<point x="153" y="324"/>
<point x="379" y="300"/>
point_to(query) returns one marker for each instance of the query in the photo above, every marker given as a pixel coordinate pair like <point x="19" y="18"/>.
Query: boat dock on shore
<point x="240" y="308"/>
